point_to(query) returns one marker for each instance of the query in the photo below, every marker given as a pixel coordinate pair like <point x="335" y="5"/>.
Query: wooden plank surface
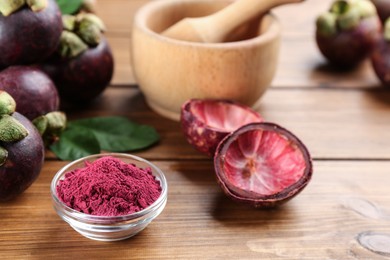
<point x="342" y="117"/>
<point x="333" y="123"/>
<point x="199" y="222"/>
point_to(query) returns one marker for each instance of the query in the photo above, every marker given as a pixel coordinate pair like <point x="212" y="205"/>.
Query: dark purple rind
<point x="202" y="137"/>
<point x="34" y="92"/>
<point x="268" y="201"/>
<point x="205" y="140"/>
<point x="380" y="60"/>
<point x="348" y="48"/>
<point x="24" y="162"/>
<point x="28" y="37"/>
<point x="83" y="78"/>
<point x="383" y="9"/>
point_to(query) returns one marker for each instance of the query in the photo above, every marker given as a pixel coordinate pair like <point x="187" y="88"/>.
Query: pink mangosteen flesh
<point x="262" y="164"/>
<point x="205" y="122"/>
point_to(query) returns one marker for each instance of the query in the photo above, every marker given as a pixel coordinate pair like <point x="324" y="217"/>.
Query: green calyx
<point x="93" y="19"/>
<point x="344" y="15"/>
<point x="71" y="45"/>
<point x="88" y="6"/>
<point x="7" y="103"/>
<point x="89" y="32"/>
<point x="8" y="7"/>
<point x="11" y="130"/>
<point x="37" y="5"/>
<point x="365" y="8"/>
<point x="68" y="22"/>
<point x="326" y="24"/>
<point x="50" y="126"/>
<point x="80" y="32"/>
<point x="3" y="155"/>
<point x="349" y="19"/>
<point x="386" y="29"/>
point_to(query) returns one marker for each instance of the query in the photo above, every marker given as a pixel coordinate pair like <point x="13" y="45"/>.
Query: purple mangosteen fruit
<point x="380" y="57"/>
<point x="383" y="9"/>
<point x="345" y="34"/>
<point x="34" y="92"/>
<point x="30" y="31"/>
<point x="21" y="150"/>
<point x="83" y="65"/>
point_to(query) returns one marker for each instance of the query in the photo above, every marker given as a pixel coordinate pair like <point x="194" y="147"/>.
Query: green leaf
<point x="69" y="6"/>
<point x="118" y="134"/>
<point x="75" y="143"/>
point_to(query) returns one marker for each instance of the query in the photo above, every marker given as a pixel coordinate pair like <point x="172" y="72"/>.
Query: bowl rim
<point x="145" y="11"/>
<point x="89" y="217"/>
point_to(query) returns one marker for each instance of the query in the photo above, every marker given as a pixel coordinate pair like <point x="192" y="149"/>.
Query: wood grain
<point x="332" y="122"/>
<point x="199" y="222"/>
<point x="344" y="213"/>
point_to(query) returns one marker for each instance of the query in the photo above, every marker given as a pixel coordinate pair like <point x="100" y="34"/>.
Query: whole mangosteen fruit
<point x="380" y="57"/>
<point x="34" y="92"/>
<point x="345" y="34"/>
<point x="30" y="31"/>
<point x="83" y="65"/>
<point x="21" y="150"/>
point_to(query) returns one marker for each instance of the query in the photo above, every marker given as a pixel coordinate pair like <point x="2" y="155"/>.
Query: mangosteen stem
<point x="37" y="5"/>
<point x="7" y="103"/>
<point x="3" y="155"/>
<point x="11" y="130"/>
<point x="8" y="7"/>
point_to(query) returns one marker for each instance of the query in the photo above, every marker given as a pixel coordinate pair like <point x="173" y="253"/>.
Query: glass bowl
<point x="108" y="228"/>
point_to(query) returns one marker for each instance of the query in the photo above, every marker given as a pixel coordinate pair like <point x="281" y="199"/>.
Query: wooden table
<point x="342" y="117"/>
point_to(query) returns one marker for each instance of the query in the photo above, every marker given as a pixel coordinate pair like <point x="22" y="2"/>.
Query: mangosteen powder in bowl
<point x="109" y="197"/>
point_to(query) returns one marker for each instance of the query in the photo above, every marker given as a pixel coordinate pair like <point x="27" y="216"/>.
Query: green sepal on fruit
<point x="51" y="126"/>
<point x="10" y="129"/>
<point x="386" y="30"/>
<point x="81" y="32"/>
<point x="7" y="7"/>
<point x="344" y="15"/>
<point x="7" y="103"/>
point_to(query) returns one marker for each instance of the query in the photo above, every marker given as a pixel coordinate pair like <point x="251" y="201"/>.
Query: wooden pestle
<point x="216" y="27"/>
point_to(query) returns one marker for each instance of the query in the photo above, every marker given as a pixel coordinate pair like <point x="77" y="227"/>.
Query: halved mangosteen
<point x="262" y="165"/>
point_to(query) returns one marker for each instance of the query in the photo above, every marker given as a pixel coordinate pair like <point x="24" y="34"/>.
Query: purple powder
<point x="109" y="187"/>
